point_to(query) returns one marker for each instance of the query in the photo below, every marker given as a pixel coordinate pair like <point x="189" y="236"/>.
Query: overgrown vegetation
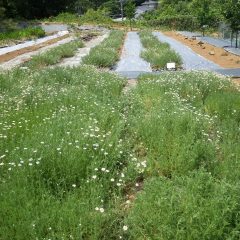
<point x="91" y="16"/>
<point x="79" y="160"/>
<point x="62" y="156"/>
<point x="54" y="55"/>
<point x="107" y="53"/>
<point x="23" y="34"/>
<point x="186" y="128"/>
<point x="158" y="54"/>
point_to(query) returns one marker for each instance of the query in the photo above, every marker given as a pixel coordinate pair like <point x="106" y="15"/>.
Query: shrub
<point x="185" y="22"/>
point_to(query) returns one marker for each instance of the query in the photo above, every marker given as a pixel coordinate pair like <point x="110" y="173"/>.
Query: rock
<point x="200" y="43"/>
<point x="186" y="37"/>
<point x="203" y="47"/>
<point x="212" y="53"/>
<point x="224" y="54"/>
<point x="193" y="38"/>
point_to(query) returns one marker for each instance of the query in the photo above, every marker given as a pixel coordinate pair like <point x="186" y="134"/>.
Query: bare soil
<point x="8" y="56"/>
<point x="237" y="81"/>
<point x="210" y="52"/>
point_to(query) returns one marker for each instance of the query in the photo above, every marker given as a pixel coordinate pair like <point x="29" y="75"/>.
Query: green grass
<point x="81" y="160"/>
<point x="23" y="34"/>
<point x="107" y="53"/>
<point x="186" y="128"/>
<point x="61" y="144"/>
<point x="158" y="54"/>
<point x="54" y="55"/>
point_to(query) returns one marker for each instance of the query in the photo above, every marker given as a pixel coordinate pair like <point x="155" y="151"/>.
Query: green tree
<point x="231" y="12"/>
<point x="130" y="11"/>
<point x="201" y="9"/>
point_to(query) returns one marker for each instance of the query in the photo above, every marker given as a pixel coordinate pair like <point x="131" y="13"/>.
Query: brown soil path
<point x="8" y="56"/>
<point x="212" y="53"/>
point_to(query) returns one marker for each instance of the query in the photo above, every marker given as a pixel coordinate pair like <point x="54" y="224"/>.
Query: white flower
<point x="96" y="208"/>
<point x="103" y="169"/>
<point x="125" y="228"/>
<point x="94" y="177"/>
<point x="74" y="185"/>
<point x="101" y="210"/>
<point x="112" y="180"/>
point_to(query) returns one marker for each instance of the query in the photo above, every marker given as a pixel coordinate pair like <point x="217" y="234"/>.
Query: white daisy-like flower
<point x="125" y="228"/>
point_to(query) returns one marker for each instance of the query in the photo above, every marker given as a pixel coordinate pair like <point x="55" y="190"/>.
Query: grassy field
<point x="81" y="160"/>
<point x="54" y="55"/>
<point x="186" y="127"/>
<point x="158" y="54"/>
<point x="107" y="53"/>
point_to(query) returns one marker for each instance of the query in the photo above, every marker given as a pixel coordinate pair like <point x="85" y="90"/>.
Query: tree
<point x="202" y="11"/>
<point x="130" y="11"/>
<point x="231" y="12"/>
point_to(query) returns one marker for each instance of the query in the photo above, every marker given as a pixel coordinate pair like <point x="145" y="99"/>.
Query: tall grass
<point x="54" y="55"/>
<point x="158" y="53"/>
<point x="107" y="53"/>
<point x="23" y="34"/>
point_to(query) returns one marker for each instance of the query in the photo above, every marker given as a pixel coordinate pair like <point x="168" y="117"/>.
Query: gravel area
<point x="130" y="59"/>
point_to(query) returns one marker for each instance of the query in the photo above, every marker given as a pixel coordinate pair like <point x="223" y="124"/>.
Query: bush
<point x="65" y="18"/>
<point x="185" y="22"/>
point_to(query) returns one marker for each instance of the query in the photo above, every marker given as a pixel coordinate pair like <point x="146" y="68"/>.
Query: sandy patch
<point x="212" y="53"/>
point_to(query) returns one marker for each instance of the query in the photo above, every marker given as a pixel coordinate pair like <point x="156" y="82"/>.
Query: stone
<point x="200" y="43"/>
<point x="203" y="47"/>
<point x="224" y="54"/>
<point x="186" y="37"/>
<point x="193" y="38"/>
<point x="212" y="53"/>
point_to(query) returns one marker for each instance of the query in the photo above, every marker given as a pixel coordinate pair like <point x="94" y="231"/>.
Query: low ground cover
<point x="22" y="34"/>
<point x="54" y="55"/>
<point x="107" y="53"/>
<point x="158" y="54"/>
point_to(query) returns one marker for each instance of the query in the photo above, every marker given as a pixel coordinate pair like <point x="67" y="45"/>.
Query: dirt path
<point x="21" y="58"/>
<point x="215" y="54"/>
<point x="11" y="55"/>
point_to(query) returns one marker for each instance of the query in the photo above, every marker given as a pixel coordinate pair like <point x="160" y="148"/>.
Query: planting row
<point x="158" y="54"/>
<point x="108" y="52"/>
